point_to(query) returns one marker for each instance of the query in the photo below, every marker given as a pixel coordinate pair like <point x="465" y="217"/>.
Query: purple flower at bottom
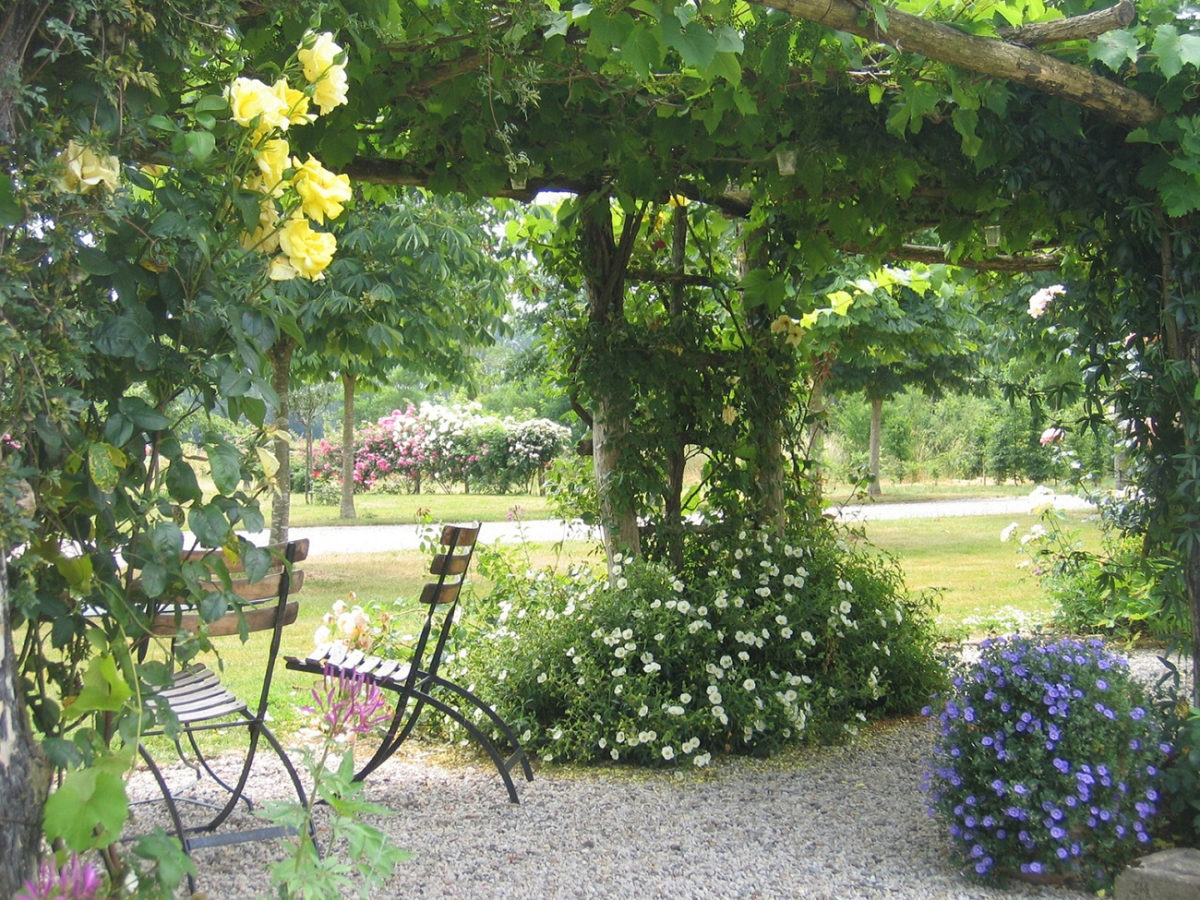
<point x="76" y="880"/>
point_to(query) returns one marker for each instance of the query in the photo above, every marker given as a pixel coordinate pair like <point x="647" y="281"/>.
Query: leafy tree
<point x="420" y="285"/>
<point x="887" y="332"/>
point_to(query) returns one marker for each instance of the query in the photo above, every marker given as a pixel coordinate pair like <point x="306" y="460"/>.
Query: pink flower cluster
<point x="76" y="880"/>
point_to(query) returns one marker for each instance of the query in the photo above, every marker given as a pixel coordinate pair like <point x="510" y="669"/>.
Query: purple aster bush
<point x="1046" y="761"/>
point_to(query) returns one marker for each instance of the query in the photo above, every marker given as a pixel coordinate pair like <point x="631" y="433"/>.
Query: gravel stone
<point x="826" y="823"/>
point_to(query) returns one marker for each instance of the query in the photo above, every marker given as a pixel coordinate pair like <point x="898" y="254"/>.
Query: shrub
<point x="1119" y="590"/>
<point x="780" y="642"/>
<point x="1046" y="761"/>
<point x="1181" y="779"/>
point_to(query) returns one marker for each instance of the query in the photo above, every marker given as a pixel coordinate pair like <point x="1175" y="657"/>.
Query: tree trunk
<point x="348" y="449"/>
<point x="676" y="457"/>
<point x="280" y="356"/>
<point x="766" y="407"/>
<point x="24" y="772"/>
<point x="604" y="264"/>
<point x="617" y="515"/>
<point x="873" y="489"/>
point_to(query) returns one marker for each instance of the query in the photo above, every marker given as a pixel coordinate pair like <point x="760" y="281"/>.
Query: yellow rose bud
<point x="273" y="158"/>
<point x="318" y="55"/>
<point x="254" y="104"/>
<point x="281" y="269"/>
<point x="309" y="252"/>
<point x="84" y="170"/>
<point x="322" y="193"/>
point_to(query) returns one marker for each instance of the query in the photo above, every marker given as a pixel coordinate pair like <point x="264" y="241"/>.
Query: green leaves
<point x="1174" y="50"/>
<point x="225" y="466"/>
<point x="89" y="808"/>
<point x="104" y="689"/>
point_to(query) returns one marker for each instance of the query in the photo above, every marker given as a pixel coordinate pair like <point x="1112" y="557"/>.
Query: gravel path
<point x="838" y="822"/>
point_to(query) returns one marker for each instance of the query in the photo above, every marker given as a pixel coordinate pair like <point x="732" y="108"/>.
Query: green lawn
<point x="407" y="509"/>
<point x="977" y="575"/>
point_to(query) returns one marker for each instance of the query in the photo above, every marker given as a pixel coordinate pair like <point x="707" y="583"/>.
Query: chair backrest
<point x="441" y="596"/>
<point x="279" y="582"/>
<point x="266" y="602"/>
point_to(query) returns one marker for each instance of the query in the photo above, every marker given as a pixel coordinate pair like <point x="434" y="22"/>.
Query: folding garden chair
<point x="415" y="680"/>
<point x="199" y="702"/>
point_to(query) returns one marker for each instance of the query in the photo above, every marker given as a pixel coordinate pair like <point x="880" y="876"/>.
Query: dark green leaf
<point x="143" y="414"/>
<point x="95" y="262"/>
<point x="181" y="482"/>
<point x="225" y="467"/>
<point x="209" y="525"/>
<point x="10" y="210"/>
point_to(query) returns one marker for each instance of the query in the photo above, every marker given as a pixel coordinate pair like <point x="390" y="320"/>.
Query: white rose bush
<point x="763" y="643"/>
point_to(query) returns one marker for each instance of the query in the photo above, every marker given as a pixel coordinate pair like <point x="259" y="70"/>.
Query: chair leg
<point x="202" y="760"/>
<point x="236" y="792"/>
<point x="294" y="775"/>
<point x="515" y="746"/>
<point x="473" y="730"/>
<point x="172" y="808"/>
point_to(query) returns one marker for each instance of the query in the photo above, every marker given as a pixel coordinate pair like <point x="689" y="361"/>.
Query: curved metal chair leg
<point x="504" y="728"/>
<point x="477" y="734"/>
<point x="202" y="760"/>
<point x="172" y="808"/>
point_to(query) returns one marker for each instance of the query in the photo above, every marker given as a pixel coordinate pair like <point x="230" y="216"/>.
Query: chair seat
<point x="197" y="695"/>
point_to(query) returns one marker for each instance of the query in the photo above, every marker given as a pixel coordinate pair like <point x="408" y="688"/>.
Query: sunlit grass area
<point x="407" y="509"/>
<point x="977" y="576"/>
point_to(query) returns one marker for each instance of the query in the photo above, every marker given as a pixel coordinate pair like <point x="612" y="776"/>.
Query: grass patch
<point x="963" y="559"/>
<point x="407" y="509"/>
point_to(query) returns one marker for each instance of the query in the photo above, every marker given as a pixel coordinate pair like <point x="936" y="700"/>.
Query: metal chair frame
<point x="200" y="702"/>
<point x="416" y="681"/>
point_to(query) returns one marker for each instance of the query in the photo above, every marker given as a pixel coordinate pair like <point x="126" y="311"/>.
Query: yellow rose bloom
<point x="84" y="170"/>
<point x="253" y="103"/>
<point x="330" y="91"/>
<point x="273" y="157"/>
<point x="294" y="101"/>
<point x="265" y="238"/>
<point x="318" y="55"/>
<point x="309" y="252"/>
<point x="281" y="269"/>
<point x="322" y="193"/>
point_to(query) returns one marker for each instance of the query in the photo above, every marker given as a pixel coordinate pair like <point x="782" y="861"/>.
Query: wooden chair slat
<point x="449" y="565"/>
<point x="467" y="535"/>
<point x="439" y="594"/>
<point x="260" y="618"/>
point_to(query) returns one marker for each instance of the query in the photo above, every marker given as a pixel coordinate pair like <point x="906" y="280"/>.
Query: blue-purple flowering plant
<point x="1046" y="761"/>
